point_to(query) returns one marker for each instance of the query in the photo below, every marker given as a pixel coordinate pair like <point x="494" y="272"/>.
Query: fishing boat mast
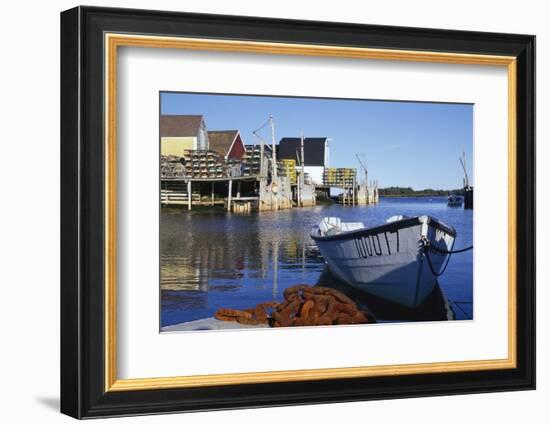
<point x="468" y="189"/>
<point x="363" y="166"/>
<point x="465" y="180"/>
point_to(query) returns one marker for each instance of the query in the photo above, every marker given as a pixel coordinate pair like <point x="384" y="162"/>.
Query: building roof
<point x="180" y="125"/>
<point x="314" y="150"/>
<point x="221" y="141"/>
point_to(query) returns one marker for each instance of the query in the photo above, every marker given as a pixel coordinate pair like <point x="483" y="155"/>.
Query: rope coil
<point x="303" y="305"/>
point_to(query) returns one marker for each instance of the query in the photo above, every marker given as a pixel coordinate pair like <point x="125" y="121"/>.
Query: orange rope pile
<point x="250" y="316"/>
<point x="303" y="305"/>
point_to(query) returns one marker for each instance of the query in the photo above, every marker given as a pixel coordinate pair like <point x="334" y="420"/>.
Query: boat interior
<point x="333" y="226"/>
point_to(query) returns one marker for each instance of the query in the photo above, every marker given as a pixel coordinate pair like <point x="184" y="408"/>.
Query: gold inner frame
<point x="113" y="41"/>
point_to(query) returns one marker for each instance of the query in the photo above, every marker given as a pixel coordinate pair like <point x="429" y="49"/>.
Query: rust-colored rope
<point x="303" y="305"/>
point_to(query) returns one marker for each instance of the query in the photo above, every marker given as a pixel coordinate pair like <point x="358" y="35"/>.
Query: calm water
<point x="211" y="259"/>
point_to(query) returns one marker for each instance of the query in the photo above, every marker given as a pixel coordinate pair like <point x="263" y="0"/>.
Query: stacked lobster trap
<point x="287" y="168"/>
<point x="339" y="176"/>
<point x="204" y="164"/>
<point x="251" y="161"/>
<point x="199" y="164"/>
<point x="171" y="167"/>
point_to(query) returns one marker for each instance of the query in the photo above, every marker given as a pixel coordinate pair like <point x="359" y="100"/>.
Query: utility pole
<point x="262" y="168"/>
<point x="274" y="164"/>
<point x="263" y="161"/>
<point x="273" y="154"/>
<point x="302" y="178"/>
<point x="327" y="152"/>
<point x="353" y="194"/>
<point x="298" y="162"/>
<point x="263" y="171"/>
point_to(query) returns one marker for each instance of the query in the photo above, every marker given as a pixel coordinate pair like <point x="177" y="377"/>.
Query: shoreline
<point x="419" y="195"/>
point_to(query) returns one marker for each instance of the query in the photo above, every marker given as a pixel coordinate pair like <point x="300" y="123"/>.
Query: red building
<point x="227" y="143"/>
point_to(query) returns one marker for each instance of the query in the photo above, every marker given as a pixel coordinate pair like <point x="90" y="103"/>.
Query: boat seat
<point x="330" y="226"/>
<point x="395" y="218"/>
<point x="333" y="225"/>
<point x="348" y="227"/>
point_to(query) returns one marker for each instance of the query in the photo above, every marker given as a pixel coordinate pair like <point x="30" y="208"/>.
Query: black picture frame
<point x="83" y="392"/>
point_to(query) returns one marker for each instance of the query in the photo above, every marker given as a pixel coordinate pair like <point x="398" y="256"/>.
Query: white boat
<point x="454" y="201"/>
<point x="398" y="261"/>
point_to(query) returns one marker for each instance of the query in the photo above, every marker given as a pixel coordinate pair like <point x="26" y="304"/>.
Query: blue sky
<point x="406" y="143"/>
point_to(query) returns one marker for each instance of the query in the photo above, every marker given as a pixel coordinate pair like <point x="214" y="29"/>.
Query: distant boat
<point x="398" y="261"/>
<point x="454" y="201"/>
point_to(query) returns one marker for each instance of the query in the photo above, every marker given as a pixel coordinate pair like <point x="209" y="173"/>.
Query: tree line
<point x="409" y="191"/>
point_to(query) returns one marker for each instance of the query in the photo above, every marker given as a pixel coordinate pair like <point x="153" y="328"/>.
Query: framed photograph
<point x="261" y="212"/>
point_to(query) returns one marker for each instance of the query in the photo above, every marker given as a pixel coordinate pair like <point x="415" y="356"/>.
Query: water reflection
<point x="214" y="259"/>
<point x="435" y="307"/>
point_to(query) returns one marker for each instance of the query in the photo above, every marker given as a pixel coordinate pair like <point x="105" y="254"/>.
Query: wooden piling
<point x="468" y="198"/>
<point x="189" y="195"/>
<point x="229" y="195"/>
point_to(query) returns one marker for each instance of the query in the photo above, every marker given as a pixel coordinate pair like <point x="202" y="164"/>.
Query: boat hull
<point x="389" y="261"/>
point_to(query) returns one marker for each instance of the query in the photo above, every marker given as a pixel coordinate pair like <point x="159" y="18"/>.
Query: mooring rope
<point x="444" y="251"/>
<point x="427" y="246"/>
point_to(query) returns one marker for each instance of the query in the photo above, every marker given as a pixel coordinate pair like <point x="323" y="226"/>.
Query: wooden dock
<point x="355" y="194"/>
<point x="176" y="190"/>
<point x="235" y="193"/>
<point x="257" y="195"/>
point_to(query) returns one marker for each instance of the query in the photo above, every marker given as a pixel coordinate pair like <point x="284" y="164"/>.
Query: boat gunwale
<point x="387" y="227"/>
